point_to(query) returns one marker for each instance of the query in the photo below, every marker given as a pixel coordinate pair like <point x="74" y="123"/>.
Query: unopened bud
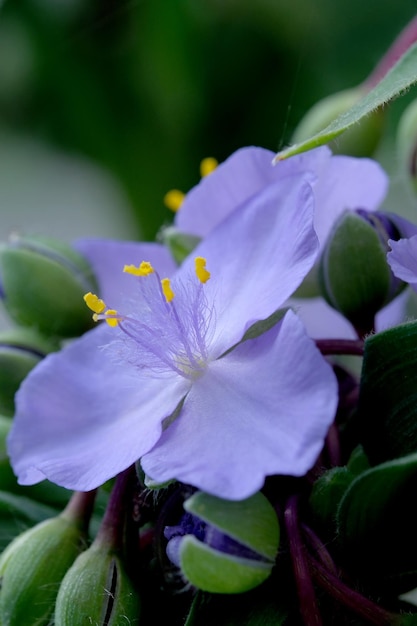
<point x="355" y="277"/>
<point x="33" y="565"/>
<point x="42" y="283"/>
<point x="20" y="350"/>
<point x="97" y="590"/>
<point x="224" y="546"/>
<point x="361" y="140"/>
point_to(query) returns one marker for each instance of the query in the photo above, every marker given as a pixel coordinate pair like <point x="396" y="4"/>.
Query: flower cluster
<point x="200" y="390"/>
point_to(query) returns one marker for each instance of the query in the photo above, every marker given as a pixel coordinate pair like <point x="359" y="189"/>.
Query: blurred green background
<point x="107" y="104"/>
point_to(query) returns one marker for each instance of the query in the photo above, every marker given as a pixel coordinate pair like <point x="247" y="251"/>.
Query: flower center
<point x="170" y="326"/>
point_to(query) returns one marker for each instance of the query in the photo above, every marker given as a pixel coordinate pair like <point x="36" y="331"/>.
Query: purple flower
<point x="340" y="183"/>
<point x="172" y="382"/>
<point x="403" y="259"/>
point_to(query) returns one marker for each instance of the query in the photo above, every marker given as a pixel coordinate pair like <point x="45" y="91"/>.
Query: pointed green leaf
<point x="394" y="83"/>
<point x="387" y="410"/>
<point x="376" y="522"/>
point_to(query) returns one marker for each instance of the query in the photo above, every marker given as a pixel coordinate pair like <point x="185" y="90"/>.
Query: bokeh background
<point x="107" y="104"/>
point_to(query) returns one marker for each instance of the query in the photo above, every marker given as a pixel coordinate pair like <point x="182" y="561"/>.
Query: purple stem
<point x="320" y="549"/>
<point x="80" y="507"/>
<point x="112" y="528"/>
<point x="402" y="43"/>
<point x="340" y="346"/>
<point x="350" y="598"/>
<point x="333" y="446"/>
<point x="309" y="609"/>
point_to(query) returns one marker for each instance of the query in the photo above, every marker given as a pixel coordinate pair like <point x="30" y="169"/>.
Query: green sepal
<point x="179" y="244"/>
<point x="376" y="521"/>
<point x="32" y="567"/>
<point x="97" y="590"/>
<point x="252" y="522"/>
<point x="217" y="572"/>
<point x="354" y="274"/>
<point x="43" y="283"/>
<point x="387" y="408"/>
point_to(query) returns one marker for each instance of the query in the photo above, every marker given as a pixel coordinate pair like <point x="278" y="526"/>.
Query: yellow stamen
<point x="144" y="269"/>
<point x="112" y="321"/>
<point x="200" y="269"/>
<point x="166" y="288"/>
<point x="174" y="199"/>
<point x="94" y="303"/>
<point x="207" y="166"/>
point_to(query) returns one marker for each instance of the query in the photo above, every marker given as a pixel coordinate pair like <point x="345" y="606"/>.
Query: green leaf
<point x="387" y="409"/>
<point x="376" y="522"/>
<point x="394" y="83"/>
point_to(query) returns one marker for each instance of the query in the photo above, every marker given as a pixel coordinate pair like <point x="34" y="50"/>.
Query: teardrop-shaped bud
<point x="224" y="546"/>
<point x="97" y="590"/>
<point x="355" y="277"/>
<point x="20" y="350"/>
<point x="33" y="565"/>
<point x="360" y="140"/>
<point x="43" y="282"/>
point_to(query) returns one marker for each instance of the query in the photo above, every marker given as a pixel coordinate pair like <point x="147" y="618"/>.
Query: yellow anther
<point x="207" y="166"/>
<point x="166" y="288"/>
<point x="174" y="199"/>
<point x="94" y="303"/>
<point x="144" y="269"/>
<point x="200" y="269"/>
<point x="112" y="320"/>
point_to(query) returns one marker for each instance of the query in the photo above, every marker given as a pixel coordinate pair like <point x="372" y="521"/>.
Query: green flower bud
<point x="20" y="350"/>
<point x="407" y="144"/>
<point x="179" y="244"/>
<point x="43" y="283"/>
<point x="97" y="590"/>
<point x="33" y="565"/>
<point x="354" y="275"/>
<point x="360" y="140"/>
<point x="224" y="546"/>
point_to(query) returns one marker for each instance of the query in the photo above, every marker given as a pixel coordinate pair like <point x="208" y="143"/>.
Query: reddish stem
<point x="309" y="609"/>
<point x="340" y="346"/>
<point x="402" y="43"/>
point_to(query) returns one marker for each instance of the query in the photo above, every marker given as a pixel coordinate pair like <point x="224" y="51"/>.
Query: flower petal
<point x="257" y="257"/>
<point x="403" y="259"/>
<point x="245" y="173"/>
<point x="262" y="409"/>
<point x="81" y="418"/>
<point x="108" y="257"/>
